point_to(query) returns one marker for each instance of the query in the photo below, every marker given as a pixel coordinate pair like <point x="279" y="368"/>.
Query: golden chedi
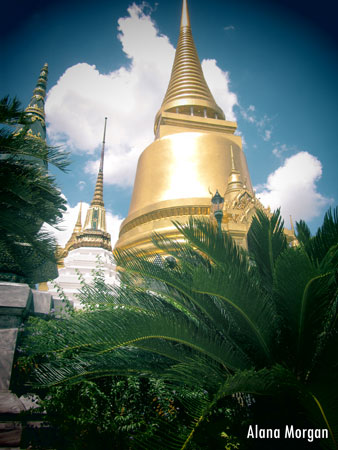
<point x="195" y="153"/>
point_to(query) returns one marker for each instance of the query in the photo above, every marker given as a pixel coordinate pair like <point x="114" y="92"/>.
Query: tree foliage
<point x="110" y="413"/>
<point x="29" y="197"/>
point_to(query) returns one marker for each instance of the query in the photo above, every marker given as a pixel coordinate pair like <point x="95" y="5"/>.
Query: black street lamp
<point x="217" y="203"/>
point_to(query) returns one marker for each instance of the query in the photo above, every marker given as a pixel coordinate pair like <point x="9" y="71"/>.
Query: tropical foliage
<point x="110" y="413"/>
<point x="261" y="322"/>
<point x="29" y="197"/>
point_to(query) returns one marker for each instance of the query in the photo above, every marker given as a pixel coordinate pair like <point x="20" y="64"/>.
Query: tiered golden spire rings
<point x="36" y="109"/>
<point x="42" y="81"/>
<point x="188" y="92"/>
<point x="36" y="105"/>
<point x="98" y="193"/>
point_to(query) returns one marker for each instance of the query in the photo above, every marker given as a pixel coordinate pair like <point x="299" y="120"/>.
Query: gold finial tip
<point x="185" y="20"/>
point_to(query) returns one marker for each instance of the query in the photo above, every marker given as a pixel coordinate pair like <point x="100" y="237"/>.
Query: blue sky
<point x="272" y="66"/>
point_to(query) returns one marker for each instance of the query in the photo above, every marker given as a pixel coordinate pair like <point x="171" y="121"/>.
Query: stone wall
<point x="17" y="302"/>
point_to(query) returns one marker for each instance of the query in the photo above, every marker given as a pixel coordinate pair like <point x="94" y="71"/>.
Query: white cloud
<point x="65" y="228"/>
<point x="218" y="82"/>
<point x="229" y="27"/>
<point x="81" y="185"/>
<point x="113" y="226"/>
<point x="129" y="97"/>
<point x="69" y="219"/>
<point x="267" y="135"/>
<point x="249" y="115"/>
<point x="293" y="188"/>
<point x="279" y="149"/>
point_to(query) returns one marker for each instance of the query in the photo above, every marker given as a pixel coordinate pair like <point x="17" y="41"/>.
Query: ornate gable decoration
<point x="243" y="207"/>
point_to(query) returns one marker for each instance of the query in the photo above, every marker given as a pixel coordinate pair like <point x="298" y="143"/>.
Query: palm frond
<point x="169" y="283"/>
<point x="325" y="238"/>
<point x="205" y="237"/>
<point x="320" y="401"/>
<point x="230" y="291"/>
<point x="240" y="296"/>
<point x="175" y="286"/>
<point x="109" y="332"/>
<point x="266" y="241"/>
<point x="303" y="233"/>
<point x="22" y="148"/>
<point x="11" y="111"/>
<point x="304" y="302"/>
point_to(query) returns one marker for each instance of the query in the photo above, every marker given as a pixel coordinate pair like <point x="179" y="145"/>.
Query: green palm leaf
<point x="303" y="232"/>
<point x="326" y="237"/>
<point x="266" y="241"/>
<point x="304" y="302"/>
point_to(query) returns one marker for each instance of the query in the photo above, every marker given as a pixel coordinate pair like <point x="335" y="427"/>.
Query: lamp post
<point x="217" y="203"/>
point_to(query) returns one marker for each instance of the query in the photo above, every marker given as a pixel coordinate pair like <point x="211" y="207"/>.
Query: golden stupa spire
<point x="93" y="233"/>
<point x="36" y="109"/>
<point x="98" y="193"/>
<point x="235" y="180"/>
<point x="96" y="214"/>
<point x="188" y="92"/>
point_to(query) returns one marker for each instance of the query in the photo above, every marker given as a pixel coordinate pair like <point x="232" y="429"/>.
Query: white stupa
<point x="86" y="246"/>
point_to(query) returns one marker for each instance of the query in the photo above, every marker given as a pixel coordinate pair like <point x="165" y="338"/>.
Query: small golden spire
<point x="77" y="229"/>
<point x="234" y="180"/>
<point x="94" y="232"/>
<point x="78" y="225"/>
<point x="103" y="145"/>
<point x="96" y="214"/>
<point x="98" y="192"/>
<point x="188" y="92"/>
